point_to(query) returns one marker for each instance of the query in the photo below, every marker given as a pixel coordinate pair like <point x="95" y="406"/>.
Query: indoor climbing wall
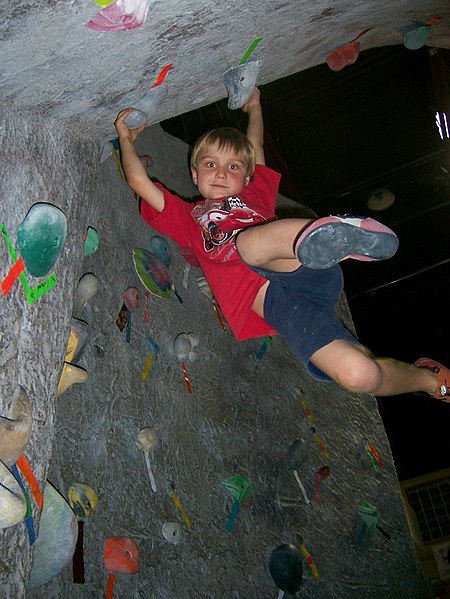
<point x="175" y="461"/>
<point x="143" y="451"/>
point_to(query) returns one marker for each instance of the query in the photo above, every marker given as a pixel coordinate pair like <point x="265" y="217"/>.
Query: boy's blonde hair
<point x="227" y="138"/>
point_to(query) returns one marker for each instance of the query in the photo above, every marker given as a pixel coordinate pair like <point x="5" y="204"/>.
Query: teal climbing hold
<point x="41" y="237"/>
<point x="91" y="241"/>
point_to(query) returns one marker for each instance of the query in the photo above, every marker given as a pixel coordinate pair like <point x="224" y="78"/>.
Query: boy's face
<point x="220" y="173"/>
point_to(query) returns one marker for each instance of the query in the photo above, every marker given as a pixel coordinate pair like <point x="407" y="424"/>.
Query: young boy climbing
<point x="274" y="275"/>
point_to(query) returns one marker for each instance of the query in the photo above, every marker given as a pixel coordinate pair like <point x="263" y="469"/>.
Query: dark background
<point x="339" y="136"/>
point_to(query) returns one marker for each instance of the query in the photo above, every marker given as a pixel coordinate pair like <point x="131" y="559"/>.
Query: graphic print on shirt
<point x="220" y="221"/>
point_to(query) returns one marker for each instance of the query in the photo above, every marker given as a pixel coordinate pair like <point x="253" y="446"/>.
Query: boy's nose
<point x="221" y="172"/>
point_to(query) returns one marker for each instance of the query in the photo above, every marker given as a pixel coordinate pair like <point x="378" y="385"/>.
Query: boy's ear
<point x="194" y="176"/>
<point x="247" y="180"/>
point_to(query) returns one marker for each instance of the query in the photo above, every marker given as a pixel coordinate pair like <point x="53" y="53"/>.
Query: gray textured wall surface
<point x="39" y="163"/>
<point x="241" y="419"/>
<point x="54" y="64"/>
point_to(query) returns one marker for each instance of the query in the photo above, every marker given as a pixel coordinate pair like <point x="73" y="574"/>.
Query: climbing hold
<point x="58" y="532"/>
<point x="82" y="499"/>
<point x="70" y="375"/>
<point x="86" y="289"/>
<point x="171" y="531"/>
<point x="145" y="108"/>
<point x="346" y="55"/>
<point x="240" y="82"/>
<point x="15" y="428"/>
<point x="417" y="37"/>
<point x="132" y="298"/>
<point x="120" y="16"/>
<point x="78" y="338"/>
<point x="13" y="505"/>
<point x="154" y="274"/>
<point x="161" y="249"/>
<point x="238" y="488"/>
<point x="121" y="555"/>
<point x="91" y="241"/>
<point x="286" y="567"/>
<point x="148" y="439"/>
<point x="41" y="237"/>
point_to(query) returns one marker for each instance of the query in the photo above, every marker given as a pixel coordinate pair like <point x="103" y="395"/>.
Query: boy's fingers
<point x="123" y="113"/>
<point x="136" y="131"/>
<point x="120" y="123"/>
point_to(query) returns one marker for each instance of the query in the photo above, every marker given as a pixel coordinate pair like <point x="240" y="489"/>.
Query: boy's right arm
<point x="255" y="126"/>
<point x="134" y="171"/>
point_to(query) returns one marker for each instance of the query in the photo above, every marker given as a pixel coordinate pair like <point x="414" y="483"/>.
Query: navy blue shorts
<point x="301" y="306"/>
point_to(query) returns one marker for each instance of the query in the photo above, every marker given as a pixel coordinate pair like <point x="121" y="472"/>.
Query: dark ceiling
<point x="337" y="137"/>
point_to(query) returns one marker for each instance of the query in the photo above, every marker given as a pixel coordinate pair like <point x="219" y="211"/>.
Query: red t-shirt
<point x="208" y="228"/>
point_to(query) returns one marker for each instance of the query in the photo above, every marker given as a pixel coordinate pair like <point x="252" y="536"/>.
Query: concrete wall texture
<point x="52" y="63"/>
<point x="241" y="419"/>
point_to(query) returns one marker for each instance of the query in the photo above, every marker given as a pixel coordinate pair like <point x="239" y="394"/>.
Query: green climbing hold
<point x="41" y="237"/>
<point x="91" y="241"/>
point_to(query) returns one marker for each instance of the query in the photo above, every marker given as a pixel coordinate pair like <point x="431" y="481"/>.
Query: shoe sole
<point x="330" y="240"/>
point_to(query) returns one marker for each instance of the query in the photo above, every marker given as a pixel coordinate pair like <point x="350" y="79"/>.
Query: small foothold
<point x="78" y="338"/>
<point x="99" y="351"/>
<point x="194" y="339"/>
<point x="146" y="439"/>
<point x="71" y="374"/>
<point x="182" y="346"/>
<point x="15" y="428"/>
<point x="171" y="531"/>
<point x="13" y="506"/>
<point x="91" y="241"/>
<point x="286" y="567"/>
<point x="132" y="298"/>
<point x="82" y="499"/>
<point x="86" y="289"/>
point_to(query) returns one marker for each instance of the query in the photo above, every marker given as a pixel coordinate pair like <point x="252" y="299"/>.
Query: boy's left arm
<point x="255" y="127"/>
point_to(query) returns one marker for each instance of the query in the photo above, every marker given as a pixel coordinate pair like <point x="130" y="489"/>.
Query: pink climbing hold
<point x="345" y="55"/>
<point x="120" y="16"/>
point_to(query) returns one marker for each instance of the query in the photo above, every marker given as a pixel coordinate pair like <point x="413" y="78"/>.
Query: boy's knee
<point x="245" y="248"/>
<point x="361" y="377"/>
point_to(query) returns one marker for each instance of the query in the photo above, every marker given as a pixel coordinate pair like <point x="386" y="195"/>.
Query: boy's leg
<point x="283" y="245"/>
<point x="299" y="305"/>
<point x="271" y="245"/>
<point x="353" y="368"/>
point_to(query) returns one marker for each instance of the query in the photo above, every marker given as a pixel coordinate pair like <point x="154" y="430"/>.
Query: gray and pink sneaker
<point x="327" y="241"/>
<point x="442" y="374"/>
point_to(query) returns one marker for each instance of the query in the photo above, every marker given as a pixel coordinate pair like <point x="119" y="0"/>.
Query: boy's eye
<point x="210" y="165"/>
<point x="234" y="167"/>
